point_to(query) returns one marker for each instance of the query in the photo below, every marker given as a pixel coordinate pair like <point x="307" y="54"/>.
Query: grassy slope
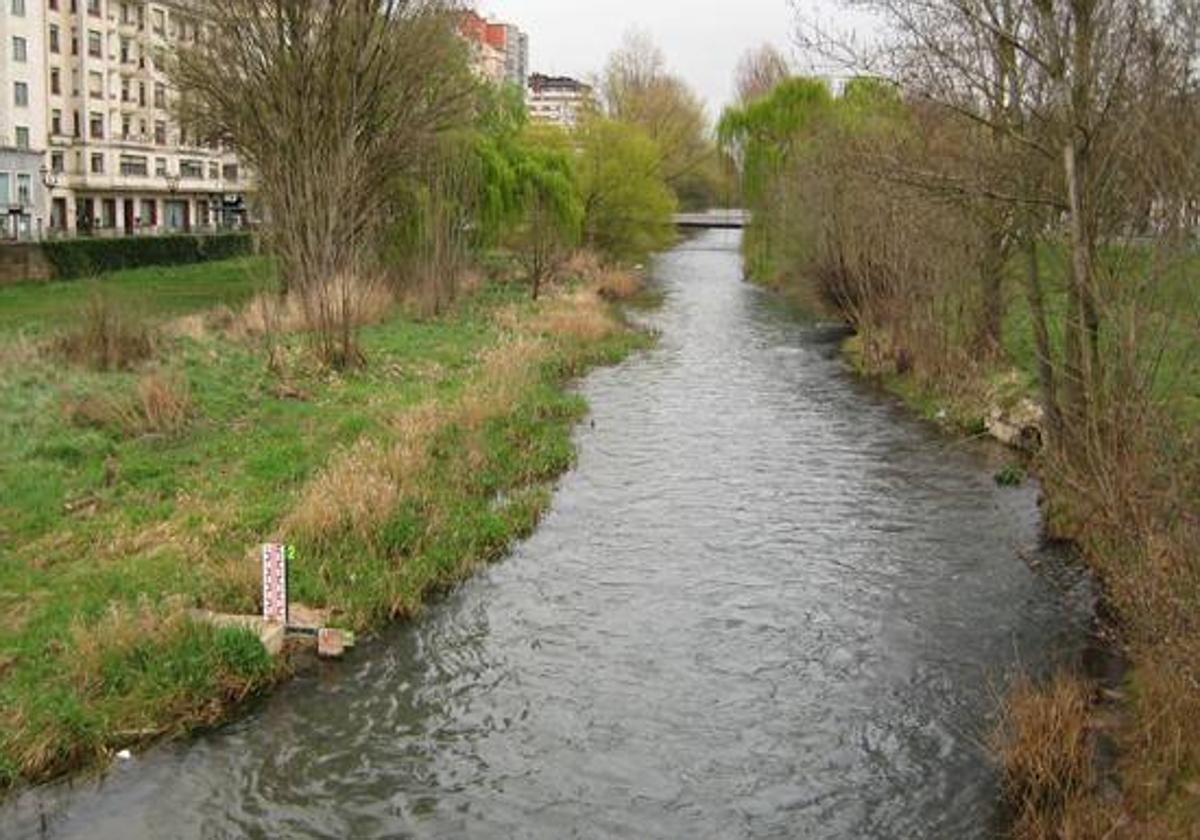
<point x="156" y="291"/>
<point x="106" y="536"/>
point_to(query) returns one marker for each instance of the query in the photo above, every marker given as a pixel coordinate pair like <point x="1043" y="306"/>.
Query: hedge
<point x="71" y="258"/>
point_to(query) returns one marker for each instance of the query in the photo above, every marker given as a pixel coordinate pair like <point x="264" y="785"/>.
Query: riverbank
<point x="1084" y="757"/>
<point x="138" y="492"/>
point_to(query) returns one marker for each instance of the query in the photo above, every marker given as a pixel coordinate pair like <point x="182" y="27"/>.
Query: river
<point x="766" y="603"/>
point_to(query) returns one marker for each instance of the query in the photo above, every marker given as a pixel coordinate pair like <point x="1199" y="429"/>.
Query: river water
<point x="767" y="603"/>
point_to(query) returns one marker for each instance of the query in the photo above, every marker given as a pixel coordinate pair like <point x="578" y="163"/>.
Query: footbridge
<point x="714" y="220"/>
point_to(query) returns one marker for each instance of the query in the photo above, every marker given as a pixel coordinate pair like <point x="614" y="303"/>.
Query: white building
<point x="98" y="119"/>
<point x="22" y="118"/>
<point x="558" y="100"/>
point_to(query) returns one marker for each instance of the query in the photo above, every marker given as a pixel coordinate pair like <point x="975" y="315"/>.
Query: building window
<point x="160" y="95"/>
<point x="214" y="172"/>
<point x="22" y="137"/>
<point x="58" y="163"/>
<point x="24" y="189"/>
<point x="160" y="166"/>
<point x="96" y="126"/>
<point x="230" y="171"/>
<point x="19" y="49"/>
<point x="96" y="85"/>
<point x="191" y="169"/>
<point x="56" y="122"/>
<point x="160" y="133"/>
<point x="18" y="8"/>
<point x="55" y="81"/>
<point x="134" y="165"/>
<point x="54" y="45"/>
<point x="21" y="94"/>
<point x="98" y="163"/>
<point x="5" y="188"/>
<point x="95" y="44"/>
<point x="94" y="8"/>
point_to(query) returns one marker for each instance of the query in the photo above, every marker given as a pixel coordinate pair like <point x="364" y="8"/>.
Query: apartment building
<point x="558" y="100"/>
<point x="22" y="118"/>
<point x="499" y="51"/>
<point x="111" y="160"/>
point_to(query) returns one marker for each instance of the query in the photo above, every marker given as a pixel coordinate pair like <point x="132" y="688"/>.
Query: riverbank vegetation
<point x="382" y="386"/>
<point x="1005" y="212"/>
<point x="137" y="486"/>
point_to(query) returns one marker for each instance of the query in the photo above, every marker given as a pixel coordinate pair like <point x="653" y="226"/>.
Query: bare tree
<point x="1052" y="88"/>
<point x="758" y="71"/>
<point x="639" y="90"/>
<point x="332" y="105"/>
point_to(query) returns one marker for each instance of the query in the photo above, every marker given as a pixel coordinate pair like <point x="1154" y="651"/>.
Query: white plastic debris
<point x="125" y="755"/>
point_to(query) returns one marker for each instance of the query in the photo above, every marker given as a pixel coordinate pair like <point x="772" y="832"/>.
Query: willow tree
<point x="331" y="105"/>
<point x="627" y="204"/>
<point x="764" y="137"/>
<point x="551" y="211"/>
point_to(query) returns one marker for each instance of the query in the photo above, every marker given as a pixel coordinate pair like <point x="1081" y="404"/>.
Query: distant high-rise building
<point x="499" y="51"/>
<point x="558" y="100"/>
<point x="516" y="57"/>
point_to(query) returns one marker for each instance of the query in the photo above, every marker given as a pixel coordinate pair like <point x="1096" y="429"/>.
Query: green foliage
<point x="1011" y="475"/>
<point x="72" y="258"/>
<point x="797" y="124"/>
<point x="627" y="204"/>
<point x="765" y="133"/>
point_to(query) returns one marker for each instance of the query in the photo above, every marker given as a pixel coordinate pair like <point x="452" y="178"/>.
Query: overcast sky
<point x="702" y="39"/>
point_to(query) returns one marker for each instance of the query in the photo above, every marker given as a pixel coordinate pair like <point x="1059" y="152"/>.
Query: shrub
<point x="73" y="258"/>
<point x="159" y="404"/>
<point x="107" y="338"/>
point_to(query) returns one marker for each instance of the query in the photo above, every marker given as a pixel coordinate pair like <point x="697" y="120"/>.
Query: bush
<point x="160" y="404"/>
<point x="72" y="258"/>
<point x="107" y="338"/>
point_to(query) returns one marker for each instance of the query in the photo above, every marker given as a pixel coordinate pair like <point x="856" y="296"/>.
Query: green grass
<point x="107" y="536"/>
<point x="1165" y="297"/>
<point x="156" y="291"/>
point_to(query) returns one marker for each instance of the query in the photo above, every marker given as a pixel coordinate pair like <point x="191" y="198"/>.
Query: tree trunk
<point x="1041" y="336"/>
<point x="990" y="330"/>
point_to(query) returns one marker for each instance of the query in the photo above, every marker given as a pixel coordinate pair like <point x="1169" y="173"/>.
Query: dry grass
<point x="120" y="631"/>
<point x="362" y="300"/>
<point x="107" y="338"/>
<point x="584" y="264"/>
<point x="19" y="353"/>
<point x="160" y="403"/>
<point x="360" y="489"/>
<point x="617" y="284"/>
<point x="363" y="487"/>
<point x="1046" y="752"/>
<point x="582" y="316"/>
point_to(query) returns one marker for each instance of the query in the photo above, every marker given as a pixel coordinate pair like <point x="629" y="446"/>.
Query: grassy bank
<point x="134" y="494"/>
<point x="1134" y="518"/>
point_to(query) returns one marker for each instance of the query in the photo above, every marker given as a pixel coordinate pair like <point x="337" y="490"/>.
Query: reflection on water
<point x="765" y="604"/>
